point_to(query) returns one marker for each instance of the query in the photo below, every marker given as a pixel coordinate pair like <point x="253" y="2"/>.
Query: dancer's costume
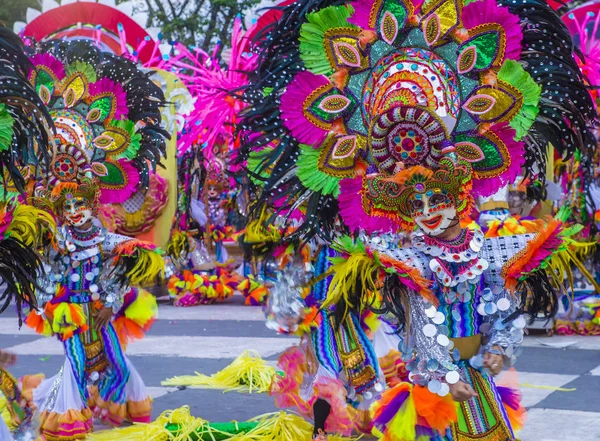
<point x="343" y="361"/>
<point x="25" y="128"/>
<point x="400" y="113"/>
<point x="107" y="117"/>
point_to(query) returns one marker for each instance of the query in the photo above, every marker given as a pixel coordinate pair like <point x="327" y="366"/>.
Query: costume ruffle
<point x="292" y="391"/>
<point x="69" y="418"/>
<point x="408" y="413"/>
<point x="59" y="317"/>
<point x="255" y="293"/>
<point x="137" y="407"/>
<point x="136" y="316"/>
<point x="70" y="425"/>
<point x="193" y="287"/>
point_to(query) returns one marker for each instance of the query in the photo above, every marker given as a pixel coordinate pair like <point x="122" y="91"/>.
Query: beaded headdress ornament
<point x="398" y="84"/>
<point x="107" y="116"/>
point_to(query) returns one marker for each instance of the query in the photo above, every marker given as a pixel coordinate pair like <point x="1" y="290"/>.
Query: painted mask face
<point x="433" y="212"/>
<point x="212" y="192"/>
<point x="77" y="211"/>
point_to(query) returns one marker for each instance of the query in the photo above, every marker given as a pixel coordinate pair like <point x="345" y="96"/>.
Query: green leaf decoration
<point x="126" y="142"/>
<point x="493" y="159"/>
<point x="313" y="36"/>
<point x="486" y="45"/>
<point x="86" y="69"/>
<point x="44" y="79"/>
<point x="391" y="21"/>
<point x="310" y="175"/>
<point x="100" y="109"/>
<point x="6" y="128"/>
<point x="115" y="176"/>
<point x="332" y="105"/>
<point x="514" y="74"/>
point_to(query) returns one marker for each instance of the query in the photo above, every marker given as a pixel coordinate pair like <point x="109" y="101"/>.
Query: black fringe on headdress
<point x="567" y="113"/>
<point x="394" y="301"/>
<point x="19" y="265"/>
<point x="279" y="61"/>
<point x="32" y="122"/>
<point x="538" y="297"/>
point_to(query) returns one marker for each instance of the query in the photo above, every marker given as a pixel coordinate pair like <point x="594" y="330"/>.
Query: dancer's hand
<point x="102" y="317"/>
<point x="461" y="391"/>
<point x="494" y="362"/>
<point x="7" y="359"/>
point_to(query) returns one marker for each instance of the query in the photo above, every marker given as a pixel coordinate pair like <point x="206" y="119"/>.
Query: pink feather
<point x="516" y="151"/>
<point x="107" y="85"/>
<point x="488" y="11"/>
<point x="50" y="62"/>
<point x="353" y="214"/>
<point x="119" y="195"/>
<point x="303" y="84"/>
<point x="362" y="12"/>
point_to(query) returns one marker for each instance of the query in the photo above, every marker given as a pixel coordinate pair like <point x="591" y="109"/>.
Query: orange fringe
<point x="439" y="412"/>
<point x="513" y="269"/>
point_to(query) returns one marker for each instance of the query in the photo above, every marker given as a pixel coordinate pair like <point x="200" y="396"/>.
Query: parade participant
<point x="342" y="364"/>
<point x="25" y="130"/>
<point x="403" y="113"/>
<point x="107" y="117"/>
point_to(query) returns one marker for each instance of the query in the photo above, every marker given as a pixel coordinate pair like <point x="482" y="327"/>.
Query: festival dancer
<point x="25" y="130"/>
<point x="402" y="113"/>
<point x="107" y="117"/>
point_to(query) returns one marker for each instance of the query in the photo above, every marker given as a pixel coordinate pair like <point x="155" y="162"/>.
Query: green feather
<point x="6" y="128"/>
<point x="514" y="74"/>
<point x="84" y="68"/>
<point x="312" y="36"/>
<point x="310" y="175"/>
<point x="135" y="139"/>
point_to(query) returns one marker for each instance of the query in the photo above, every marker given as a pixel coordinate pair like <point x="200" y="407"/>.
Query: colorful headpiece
<point x="403" y="84"/>
<point x="107" y="117"/>
<point x="25" y="124"/>
<point x="391" y="197"/>
<point x="64" y="191"/>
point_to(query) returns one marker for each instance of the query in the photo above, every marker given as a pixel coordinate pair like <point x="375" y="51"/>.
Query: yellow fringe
<point x="147" y="268"/>
<point x="247" y="373"/>
<point x="261" y="230"/>
<point x="176" y="246"/>
<point x="6" y="416"/>
<point x="29" y="225"/>
<point x="346" y="274"/>
<point x="278" y="426"/>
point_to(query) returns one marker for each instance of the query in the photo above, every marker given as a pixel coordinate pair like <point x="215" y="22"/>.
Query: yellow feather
<point x="247" y="373"/>
<point x="358" y="267"/>
<point x="29" y="225"/>
<point x="148" y="266"/>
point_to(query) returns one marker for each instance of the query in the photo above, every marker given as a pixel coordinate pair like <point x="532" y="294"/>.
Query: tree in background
<point x="200" y="23"/>
<point x="14" y="10"/>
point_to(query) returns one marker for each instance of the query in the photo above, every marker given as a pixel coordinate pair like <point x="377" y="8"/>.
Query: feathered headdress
<point x="25" y="124"/>
<point x="25" y="130"/>
<point x="107" y="117"/>
<point x="404" y="84"/>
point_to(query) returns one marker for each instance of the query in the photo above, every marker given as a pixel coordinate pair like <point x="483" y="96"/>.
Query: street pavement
<point x="559" y="376"/>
